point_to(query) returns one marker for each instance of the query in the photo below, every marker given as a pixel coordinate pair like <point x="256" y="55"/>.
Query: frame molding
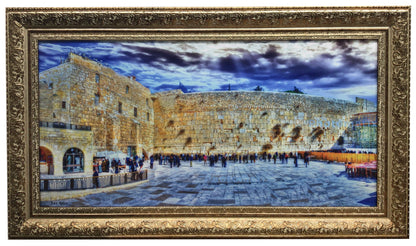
<point x="389" y="25"/>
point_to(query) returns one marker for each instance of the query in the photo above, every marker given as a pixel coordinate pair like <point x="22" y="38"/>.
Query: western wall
<point x="242" y="122"/>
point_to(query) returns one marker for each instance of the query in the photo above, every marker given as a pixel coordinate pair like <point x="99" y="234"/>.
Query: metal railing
<point x="83" y="183"/>
<point x="62" y="125"/>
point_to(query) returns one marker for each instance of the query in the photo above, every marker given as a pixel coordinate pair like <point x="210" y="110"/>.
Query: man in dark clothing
<point x="223" y="162"/>
<point x="116" y="167"/>
<point x="211" y="161"/>
<point x="151" y="161"/>
<point x="171" y="161"/>
<point x="141" y="163"/>
<point x="95" y="178"/>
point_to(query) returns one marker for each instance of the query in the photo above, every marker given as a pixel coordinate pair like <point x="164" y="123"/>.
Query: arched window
<point x="46" y="158"/>
<point x="96" y="99"/>
<point x="127" y="89"/>
<point x="73" y="161"/>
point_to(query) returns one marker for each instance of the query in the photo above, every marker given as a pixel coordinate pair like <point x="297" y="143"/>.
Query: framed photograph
<point x="208" y="123"/>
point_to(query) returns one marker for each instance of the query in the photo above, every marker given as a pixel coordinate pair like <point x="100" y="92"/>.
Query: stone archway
<point x="46" y="161"/>
<point x="73" y="161"/>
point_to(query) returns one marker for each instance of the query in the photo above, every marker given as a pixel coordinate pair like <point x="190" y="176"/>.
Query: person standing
<point x="306" y="160"/>
<point x="223" y="162"/>
<point x="100" y="169"/>
<point x="190" y="160"/>
<point x="116" y="168"/>
<point x="170" y="160"/>
<point x="95" y="178"/>
<point x="178" y="162"/>
<point x="274" y="158"/>
<point x="141" y="163"/>
<point x="211" y="161"/>
<point x="151" y="161"/>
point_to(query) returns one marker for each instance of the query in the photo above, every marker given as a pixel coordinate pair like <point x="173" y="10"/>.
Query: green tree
<point x="258" y="88"/>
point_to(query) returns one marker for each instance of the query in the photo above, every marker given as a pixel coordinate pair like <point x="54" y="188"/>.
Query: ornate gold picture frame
<point x="26" y="27"/>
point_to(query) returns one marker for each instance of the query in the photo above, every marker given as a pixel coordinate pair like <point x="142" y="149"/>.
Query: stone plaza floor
<point x="259" y="184"/>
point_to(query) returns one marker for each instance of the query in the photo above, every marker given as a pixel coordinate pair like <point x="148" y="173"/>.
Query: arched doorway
<point x="46" y="158"/>
<point x="73" y="161"/>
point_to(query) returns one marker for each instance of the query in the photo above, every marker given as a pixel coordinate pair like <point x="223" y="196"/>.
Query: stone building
<point x="83" y="98"/>
<point x="88" y="110"/>
<point x="364" y="130"/>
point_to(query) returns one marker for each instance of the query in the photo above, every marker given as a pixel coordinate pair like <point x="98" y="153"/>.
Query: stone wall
<point x="241" y="122"/>
<point x="92" y="94"/>
<point x="58" y="141"/>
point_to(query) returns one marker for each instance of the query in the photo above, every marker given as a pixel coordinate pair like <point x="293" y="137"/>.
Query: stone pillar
<point x="117" y="134"/>
<point x="58" y="159"/>
<point x="88" y="162"/>
<point x="138" y="141"/>
<point x="88" y="155"/>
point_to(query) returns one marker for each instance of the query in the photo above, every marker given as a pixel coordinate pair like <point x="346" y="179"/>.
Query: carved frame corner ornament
<point x="389" y="25"/>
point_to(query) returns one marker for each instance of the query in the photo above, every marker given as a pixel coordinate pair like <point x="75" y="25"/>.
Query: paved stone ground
<point x="259" y="184"/>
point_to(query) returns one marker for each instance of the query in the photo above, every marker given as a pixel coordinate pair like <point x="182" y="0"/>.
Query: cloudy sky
<point x="342" y="69"/>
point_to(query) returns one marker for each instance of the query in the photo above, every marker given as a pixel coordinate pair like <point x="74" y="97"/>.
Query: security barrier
<point x="91" y="182"/>
<point x="344" y="157"/>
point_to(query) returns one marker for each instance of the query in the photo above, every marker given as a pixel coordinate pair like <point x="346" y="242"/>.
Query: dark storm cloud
<point x="371" y="72"/>
<point x="193" y="54"/>
<point x="227" y="64"/>
<point x="215" y="65"/>
<point x="327" y="56"/>
<point x="344" y="44"/>
<point x="271" y="53"/>
<point x="296" y="69"/>
<point x="153" y="55"/>
<point x="353" y="61"/>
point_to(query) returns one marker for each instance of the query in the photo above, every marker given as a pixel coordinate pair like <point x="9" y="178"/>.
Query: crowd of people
<point x="136" y="163"/>
<point x="132" y="164"/>
<point x="174" y="160"/>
